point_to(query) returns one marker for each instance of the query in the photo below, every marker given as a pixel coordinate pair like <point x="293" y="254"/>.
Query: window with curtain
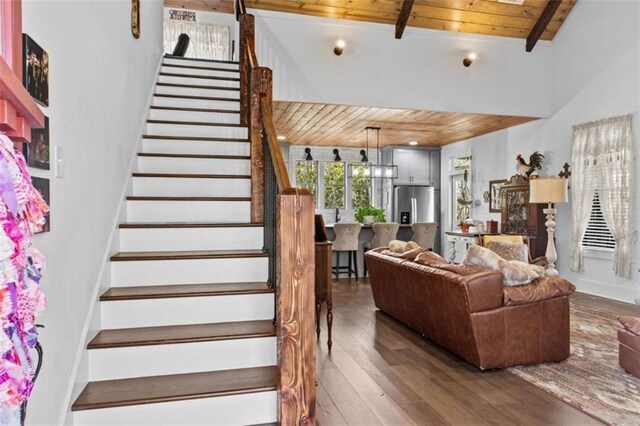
<point x="598" y="236"/>
<point x="334" y="184"/>
<point x="360" y="186"/>
<point x="602" y="161"/>
<point x="206" y="41"/>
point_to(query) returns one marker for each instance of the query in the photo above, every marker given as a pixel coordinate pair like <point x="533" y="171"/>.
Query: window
<point x="360" y="186"/>
<point x="307" y="175"/>
<point x="334" y="173"/>
<point x="598" y="236"/>
<point x="206" y="41"/>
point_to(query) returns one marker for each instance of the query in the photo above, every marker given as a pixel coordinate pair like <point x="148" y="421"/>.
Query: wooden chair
<point x="346" y="241"/>
<point x="514" y="239"/>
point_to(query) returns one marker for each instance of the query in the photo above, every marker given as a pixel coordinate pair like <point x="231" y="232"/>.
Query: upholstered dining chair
<point x="383" y="233"/>
<point x="346" y="241"/>
<point x="424" y="234"/>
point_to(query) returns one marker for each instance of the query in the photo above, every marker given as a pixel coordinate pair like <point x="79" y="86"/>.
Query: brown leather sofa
<point x="629" y="345"/>
<point x="468" y="311"/>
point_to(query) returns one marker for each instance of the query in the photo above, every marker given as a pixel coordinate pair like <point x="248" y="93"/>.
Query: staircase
<point x="187" y="326"/>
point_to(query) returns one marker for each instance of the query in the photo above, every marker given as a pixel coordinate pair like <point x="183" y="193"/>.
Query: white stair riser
<point x="245" y="409"/>
<point x="214" y="166"/>
<point x="200" y="64"/>
<point x="167" y="187"/>
<point x="190" y="91"/>
<point x="195" y="103"/>
<point x="212" y="72"/>
<point x="168" y="146"/>
<point x="188" y="211"/>
<point x="207" y="117"/>
<point x="197" y="271"/>
<point x="199" y="81"/>
<point x="155" y="360"/>
<point x="195" y="130"/>
<point x="167" y="239"/>
<point x="186" y="310"/>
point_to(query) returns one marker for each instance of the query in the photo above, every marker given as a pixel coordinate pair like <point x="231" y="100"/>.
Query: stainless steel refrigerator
<point x="413" y="204"/>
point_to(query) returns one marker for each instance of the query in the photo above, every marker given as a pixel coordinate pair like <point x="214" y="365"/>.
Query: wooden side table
<point x="324" y="286"/>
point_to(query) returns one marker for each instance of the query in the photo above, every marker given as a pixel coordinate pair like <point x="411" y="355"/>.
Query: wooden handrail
<point x="282" y="177"/>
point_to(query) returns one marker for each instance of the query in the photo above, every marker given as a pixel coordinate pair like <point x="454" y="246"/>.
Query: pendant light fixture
<point x="378" y="170"/>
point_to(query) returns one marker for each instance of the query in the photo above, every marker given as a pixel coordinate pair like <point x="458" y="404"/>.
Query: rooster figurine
<point x="535" y="163"/>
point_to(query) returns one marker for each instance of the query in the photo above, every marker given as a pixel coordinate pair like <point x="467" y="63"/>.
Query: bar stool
<point x="346" y="240"/>
<point x="383" y="233"/>
<point x="424" y="234"/>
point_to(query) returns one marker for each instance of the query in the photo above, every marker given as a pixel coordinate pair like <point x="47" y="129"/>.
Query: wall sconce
<point x="364" y="158"/>
<point x="337" y="155"/>
<point x="308" y="152"/>
<point x="469" y="59"/>
<point x="338" y="49"/>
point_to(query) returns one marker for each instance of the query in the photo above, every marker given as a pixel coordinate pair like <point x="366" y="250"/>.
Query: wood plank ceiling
<point x="489" y="17"/>
<point x="341" y="125"/>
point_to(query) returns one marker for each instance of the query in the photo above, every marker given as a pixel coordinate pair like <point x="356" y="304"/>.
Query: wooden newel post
<point x="295" y="317"/>
<point x="247" y="37"/>
<point x="260" y="87"/>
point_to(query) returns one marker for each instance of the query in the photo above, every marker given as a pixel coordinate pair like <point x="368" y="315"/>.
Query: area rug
<point x="591" y="379"/>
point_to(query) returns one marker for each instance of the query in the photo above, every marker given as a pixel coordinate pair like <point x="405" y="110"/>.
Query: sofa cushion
<point x="632" y="324"/>
<point x="509" y="251"/>
<point x="537" y="291"/>
<point x="629" y="339"/>
<point x="412" y="254"/>
<point x="514" y="272"/>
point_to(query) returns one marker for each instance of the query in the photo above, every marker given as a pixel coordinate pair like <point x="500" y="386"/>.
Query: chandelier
<point x="368" y="169"/>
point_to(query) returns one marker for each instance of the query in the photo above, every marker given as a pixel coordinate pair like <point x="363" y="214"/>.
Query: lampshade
<point x="548" y="190"/>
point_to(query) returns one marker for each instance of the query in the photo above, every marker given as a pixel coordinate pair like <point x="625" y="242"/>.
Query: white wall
<point x="422" y="71"/>
<point x="100" y="82"/>
<point x="223" y="19"/>
<point x="596" y="74"/>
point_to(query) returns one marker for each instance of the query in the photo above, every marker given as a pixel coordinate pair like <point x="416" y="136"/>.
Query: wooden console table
<point x="324" y="286"/>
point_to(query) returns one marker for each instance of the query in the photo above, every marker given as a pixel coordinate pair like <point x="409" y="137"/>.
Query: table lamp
<point x="549" y="190"/>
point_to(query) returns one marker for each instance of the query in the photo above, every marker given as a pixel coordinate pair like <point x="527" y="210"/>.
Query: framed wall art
<point x="37" y="153"/>
<point x="35" y="73"/>
<point x="495" y="195"/>
<point x="42" y="186"/>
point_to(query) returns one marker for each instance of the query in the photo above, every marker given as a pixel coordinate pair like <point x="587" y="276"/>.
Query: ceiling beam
<point x="403" y="17"/>
<point x="541" y="25"/>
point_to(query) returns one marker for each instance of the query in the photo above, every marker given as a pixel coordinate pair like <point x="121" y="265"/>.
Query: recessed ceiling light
<point x="413" y="143"/>
<point x="281" y="138"/>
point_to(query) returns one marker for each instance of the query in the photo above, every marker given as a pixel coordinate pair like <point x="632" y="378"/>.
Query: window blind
<point x="598" y="235"/>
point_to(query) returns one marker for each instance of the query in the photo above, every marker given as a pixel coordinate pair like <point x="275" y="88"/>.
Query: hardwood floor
<point x="381" y="372"/>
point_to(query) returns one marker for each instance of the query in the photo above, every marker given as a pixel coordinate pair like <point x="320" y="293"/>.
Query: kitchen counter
<point x="330" y="226"/>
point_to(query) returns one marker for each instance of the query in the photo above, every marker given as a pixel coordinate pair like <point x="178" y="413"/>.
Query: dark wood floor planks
<point x="381" y="372"/>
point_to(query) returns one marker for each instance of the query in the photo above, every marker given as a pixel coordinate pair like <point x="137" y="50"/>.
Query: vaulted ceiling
<point x="491" y="17"/>
<point x="343" y="125"/>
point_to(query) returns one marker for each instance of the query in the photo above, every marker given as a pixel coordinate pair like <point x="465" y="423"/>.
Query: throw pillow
<point x="513" y="271"/>
<point x="398" y="246"/>
<point x="509" y="251"/>
<point x="632" y="324"/>
<point x="430" y="258"/>
<point x="412" y="254"/>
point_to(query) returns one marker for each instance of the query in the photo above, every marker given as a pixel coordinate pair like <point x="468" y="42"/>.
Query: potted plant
<point x="369" y="214"/>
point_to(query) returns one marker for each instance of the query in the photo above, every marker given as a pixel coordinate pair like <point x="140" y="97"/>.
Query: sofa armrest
<point x="538" y="290"/>
<point x="484" y="290"/>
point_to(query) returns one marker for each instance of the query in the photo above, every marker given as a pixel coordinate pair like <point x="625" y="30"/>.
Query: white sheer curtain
<point x="207" y="41"/>
<point x="602" y="158"/>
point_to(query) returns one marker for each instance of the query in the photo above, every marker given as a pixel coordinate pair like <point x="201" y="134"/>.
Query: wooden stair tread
<point x="219" y="61"/>
<point x="195" y="67"/>
<point x="202" y="98"/>
<point x="212" y="110"/>
<point x="195" y="138"/>
<point x="184" y="290"/>
<point x="190" y="225"/>
<point x="185" y="255"/>
<point x="209" y="156"/>
<point x="204" y="77"/>
<point x="190" y="176"/>
<point x="164" y="335"/>
<point x="158" y="198"/>
<point x="175" y="387"/>
<point x="197" y="86"/>
<point x="194" y="123"/>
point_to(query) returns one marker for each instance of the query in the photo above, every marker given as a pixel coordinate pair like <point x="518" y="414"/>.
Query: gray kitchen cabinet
<point x="416" y="166"/>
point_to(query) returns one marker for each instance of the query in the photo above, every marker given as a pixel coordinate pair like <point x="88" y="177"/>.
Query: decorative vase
<point x="369" y="220"/>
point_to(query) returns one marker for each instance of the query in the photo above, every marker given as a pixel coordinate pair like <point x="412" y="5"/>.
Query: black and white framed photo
<point x="38" y="152"/>
<point x="35" y="73"/>
<point x="42" y="186"/>
<point x="495" y="195"/>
